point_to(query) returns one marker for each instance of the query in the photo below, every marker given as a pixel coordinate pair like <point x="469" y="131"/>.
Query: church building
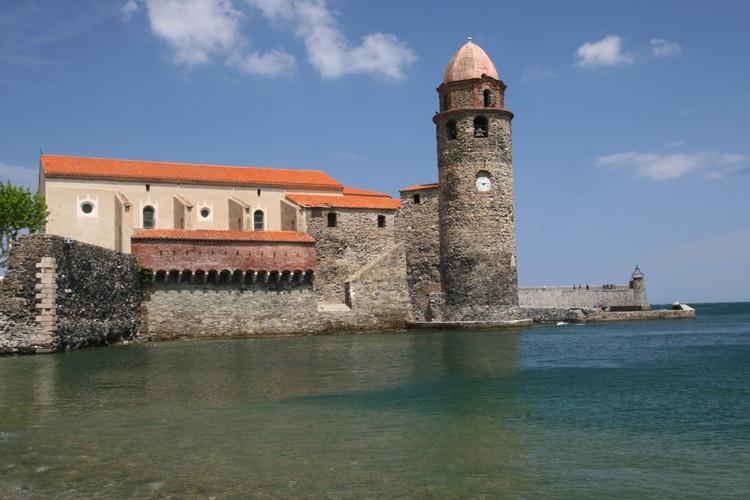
<point x="445" y="250"/>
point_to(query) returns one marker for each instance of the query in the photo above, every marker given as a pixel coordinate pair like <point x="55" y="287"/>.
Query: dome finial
<point x="469" y="39"/>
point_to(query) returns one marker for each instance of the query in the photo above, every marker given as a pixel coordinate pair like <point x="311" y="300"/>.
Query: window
<point x="205" y="212"/>
<point x="451" y="130"/>
<point x="258" y="220"/>
<point x="148" y="187"/>
<point x="381" y="220"/>
<point x="331" y="219"/>
<point x="445" y="102"/>
<point x="259" y="192"/>
<point x="480" y="126"/>
<point x="87" y="208"/>
<point x="417" y="199"/>
<point x="488" y="98"/>
<point x="148" y="217"/>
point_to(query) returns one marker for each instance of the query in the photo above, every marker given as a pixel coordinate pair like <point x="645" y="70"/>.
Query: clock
<point x="483" y="183"/>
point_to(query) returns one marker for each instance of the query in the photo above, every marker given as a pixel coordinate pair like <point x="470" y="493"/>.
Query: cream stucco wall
<point x="118" y="208"/>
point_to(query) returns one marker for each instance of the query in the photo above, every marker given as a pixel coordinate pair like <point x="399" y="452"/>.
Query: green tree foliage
<point x="19" y="211"/>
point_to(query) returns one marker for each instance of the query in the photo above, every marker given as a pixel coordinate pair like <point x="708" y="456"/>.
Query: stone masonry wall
<point x="378" y="298"/>
<point x="342" y="251"/>
<point x="58" y="295"/>
<point x="559" y="296"/>
<point x="417" y="229"/>
<point x="477" y="239"/>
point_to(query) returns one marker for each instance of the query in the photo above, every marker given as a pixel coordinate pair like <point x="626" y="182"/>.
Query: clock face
<point x="483" y="184"/>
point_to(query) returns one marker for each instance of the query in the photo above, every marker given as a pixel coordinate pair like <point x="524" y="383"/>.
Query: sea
<point x="640" y="409"/>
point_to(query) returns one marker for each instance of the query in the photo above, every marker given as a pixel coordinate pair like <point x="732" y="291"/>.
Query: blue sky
<point x="631" y="135"/>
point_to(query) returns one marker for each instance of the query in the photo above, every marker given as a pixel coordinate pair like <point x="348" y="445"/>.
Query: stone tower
<point x="475" y="207"/>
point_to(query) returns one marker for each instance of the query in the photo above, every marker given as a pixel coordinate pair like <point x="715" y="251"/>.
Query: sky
<point x="631" y="136"/>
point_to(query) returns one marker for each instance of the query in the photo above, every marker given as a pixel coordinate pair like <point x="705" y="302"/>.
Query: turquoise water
<point x="616" y="410"/>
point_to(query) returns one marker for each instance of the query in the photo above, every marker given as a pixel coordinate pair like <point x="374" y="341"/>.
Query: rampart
<point x="60" y="294"/>
<point x="237" y="305"/>
<point x="582" y="296"/>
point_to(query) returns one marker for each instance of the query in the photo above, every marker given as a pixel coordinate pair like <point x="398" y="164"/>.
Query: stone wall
<point x="355" y="242"/>
<point x="477" y="238"/>
<point x="559" y="296"/>
<point x="377" y="300"/>
<point x="59" y="295"/>
<point x="417" y="229"/>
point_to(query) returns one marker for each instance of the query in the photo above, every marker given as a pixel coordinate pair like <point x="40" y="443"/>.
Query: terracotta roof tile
<point x="77" y="167"/>
<point x="333" y="201"/>
<point x="201" y="234"/>
<point x="419" y="187"/>
<point x="364" y="192"/>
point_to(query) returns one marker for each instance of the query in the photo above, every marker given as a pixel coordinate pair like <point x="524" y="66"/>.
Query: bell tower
<point x="475" y="203"/>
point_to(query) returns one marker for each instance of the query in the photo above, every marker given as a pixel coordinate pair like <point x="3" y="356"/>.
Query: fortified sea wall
<point x="376" y="299"/>
<point x="60" y="294"/>
<point x="578" y="296"/>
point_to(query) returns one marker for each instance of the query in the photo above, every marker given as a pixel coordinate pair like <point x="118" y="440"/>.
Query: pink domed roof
<point x="469" y="62"/>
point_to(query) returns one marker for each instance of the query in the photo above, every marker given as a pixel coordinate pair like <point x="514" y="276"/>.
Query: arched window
<point x="480" y="126"/>
<point x="258" y="220"/>
<point x="451" y="130"/>
<point x="488" y="98"/>
<point x="148" y="217"/>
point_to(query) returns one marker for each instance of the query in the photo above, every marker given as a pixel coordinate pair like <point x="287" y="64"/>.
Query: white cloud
<point x="687" y="111"/>
<point x="127" y="10"/>
<point x="196" y="29"/>
<point x="328" y="49"/>
<point x="530" y="75"/>
<point x="663" y="167"/>
<point x="272" y="63"/>
<point x="664" y="48"/>
<point x="344" y="155"/>
<point x="675" y="144"/>
<point x="200" y="30"/>
<point x="606" y="52"/>
<point x="19" y="176"/>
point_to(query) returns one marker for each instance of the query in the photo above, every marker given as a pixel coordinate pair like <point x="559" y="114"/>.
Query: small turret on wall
<point x="638" y="285"/>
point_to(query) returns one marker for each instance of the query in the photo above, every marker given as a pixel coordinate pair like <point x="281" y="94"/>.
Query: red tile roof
<point x="364" y="192"/>
<point x="333" y="201"/>
<point x="79" y="167"/>
<point x="419" y="187"/>
<point x="201" y="234"/>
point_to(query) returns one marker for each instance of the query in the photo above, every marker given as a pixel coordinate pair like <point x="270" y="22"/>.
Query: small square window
<point x="417" y="199"/>
<point x="381" y="220"/>
<point x="331" y="219"/>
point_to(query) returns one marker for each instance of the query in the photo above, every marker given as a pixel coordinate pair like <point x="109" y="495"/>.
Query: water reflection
<point x="275" y="414"/>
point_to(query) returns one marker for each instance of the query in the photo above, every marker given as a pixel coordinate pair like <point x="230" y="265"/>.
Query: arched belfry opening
<point x="481" y="128"/>
<point x="450" y="129"/>
<point x="488" y="98"/>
